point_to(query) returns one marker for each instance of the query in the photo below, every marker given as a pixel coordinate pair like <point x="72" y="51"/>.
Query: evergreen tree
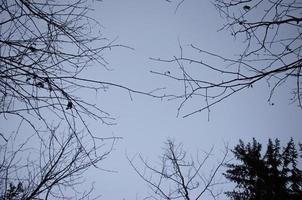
<point x="273" y="176"/>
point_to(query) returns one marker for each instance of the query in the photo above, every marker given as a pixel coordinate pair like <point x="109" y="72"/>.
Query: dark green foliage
<point x="273" y="176"/>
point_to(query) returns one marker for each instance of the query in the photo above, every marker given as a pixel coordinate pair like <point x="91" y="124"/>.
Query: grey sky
<point x="153" y="29"/>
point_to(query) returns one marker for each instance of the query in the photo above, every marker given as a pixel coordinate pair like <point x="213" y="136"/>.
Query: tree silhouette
<point x="51" y="170"/>
<point x="274" y="176"/>
<point x="271" y="33"/>
<point x="178" y="176"/>
<point x="46" y="49"/>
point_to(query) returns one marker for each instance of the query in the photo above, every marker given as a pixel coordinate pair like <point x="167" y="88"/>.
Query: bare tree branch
<point x="46" y="49"/>
<point x="271" y="31"/>
<point x="45" y="171"/>
<point x="177" y="177"/>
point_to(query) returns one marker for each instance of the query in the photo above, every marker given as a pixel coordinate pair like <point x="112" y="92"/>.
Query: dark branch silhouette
<point x="47" y="51"/>
<point x="178" y="176"/>
<point x="271" y="31"/>
<point x="51" y="170"/>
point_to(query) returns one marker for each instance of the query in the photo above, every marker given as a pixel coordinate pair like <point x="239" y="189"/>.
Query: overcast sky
<point x="153" y="30"/>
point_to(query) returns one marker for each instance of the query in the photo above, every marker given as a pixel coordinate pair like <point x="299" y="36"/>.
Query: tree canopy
<point x="46" y="48"/>
<point x="272" y="176"/>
